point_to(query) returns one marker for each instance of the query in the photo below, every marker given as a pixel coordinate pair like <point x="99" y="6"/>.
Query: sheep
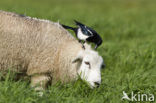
<point x="45" y="51"/>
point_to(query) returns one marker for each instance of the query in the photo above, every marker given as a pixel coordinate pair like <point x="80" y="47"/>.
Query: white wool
<point x="45" y="51"/>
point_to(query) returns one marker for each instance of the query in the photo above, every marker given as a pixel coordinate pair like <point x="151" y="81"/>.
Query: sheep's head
<point x="90" y="67"/>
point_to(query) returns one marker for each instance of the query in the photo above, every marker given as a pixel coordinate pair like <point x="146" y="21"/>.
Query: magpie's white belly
<point x="81" y="36"/>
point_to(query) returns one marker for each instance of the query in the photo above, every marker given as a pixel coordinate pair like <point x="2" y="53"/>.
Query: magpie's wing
<point x="86" y="30"/>
<point x="91" y="31"/>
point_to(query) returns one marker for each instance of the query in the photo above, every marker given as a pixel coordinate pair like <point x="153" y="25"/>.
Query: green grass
<point x="128" y="29"/>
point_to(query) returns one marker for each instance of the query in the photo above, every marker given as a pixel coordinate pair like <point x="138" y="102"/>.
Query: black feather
<point x="93" y="36"/>
<point x="85" y="30"/>
<point x="71" y="28"/>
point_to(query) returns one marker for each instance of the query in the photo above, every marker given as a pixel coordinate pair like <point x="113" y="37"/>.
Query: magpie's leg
<point x="79" y="41"/>
<point x="83" y="45"/>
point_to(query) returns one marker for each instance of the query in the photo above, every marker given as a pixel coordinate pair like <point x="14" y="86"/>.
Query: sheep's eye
<point x="87" y="63"/>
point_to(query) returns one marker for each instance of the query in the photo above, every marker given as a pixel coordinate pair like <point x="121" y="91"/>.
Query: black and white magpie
<point x="84" y="33"/>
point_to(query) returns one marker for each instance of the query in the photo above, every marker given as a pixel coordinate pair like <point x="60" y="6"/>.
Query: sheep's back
<point x="24" y="40"/>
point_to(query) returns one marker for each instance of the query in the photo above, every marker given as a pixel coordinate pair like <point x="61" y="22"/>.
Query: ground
<point x="128" y="30"/>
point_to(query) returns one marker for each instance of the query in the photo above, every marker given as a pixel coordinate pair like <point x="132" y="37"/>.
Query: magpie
<point x="84" y="33"/>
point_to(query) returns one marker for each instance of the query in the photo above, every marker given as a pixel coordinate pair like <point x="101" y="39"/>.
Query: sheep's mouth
<point x="93" y="85"/>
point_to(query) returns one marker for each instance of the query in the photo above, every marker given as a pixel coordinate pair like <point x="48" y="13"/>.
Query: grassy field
<point x="128" y="29"/>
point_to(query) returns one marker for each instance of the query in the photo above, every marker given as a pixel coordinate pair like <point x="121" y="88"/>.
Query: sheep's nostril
<point x="97" y="84"/>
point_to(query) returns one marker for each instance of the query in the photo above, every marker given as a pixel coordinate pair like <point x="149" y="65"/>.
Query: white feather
<point x="81" y="36"/>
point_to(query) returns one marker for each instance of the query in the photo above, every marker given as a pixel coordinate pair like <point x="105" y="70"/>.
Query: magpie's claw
<point x="83" y="47"/>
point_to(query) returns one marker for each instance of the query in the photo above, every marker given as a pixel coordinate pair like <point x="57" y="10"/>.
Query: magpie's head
<point x="85" y="30"/>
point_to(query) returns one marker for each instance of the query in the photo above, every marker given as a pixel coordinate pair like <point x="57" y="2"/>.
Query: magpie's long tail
<point x="71" y="28"/>
<point x="68" y="27"/>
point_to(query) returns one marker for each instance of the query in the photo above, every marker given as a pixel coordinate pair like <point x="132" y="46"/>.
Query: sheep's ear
<point x="76" y="60"/>
<point x="79" y="57"/>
